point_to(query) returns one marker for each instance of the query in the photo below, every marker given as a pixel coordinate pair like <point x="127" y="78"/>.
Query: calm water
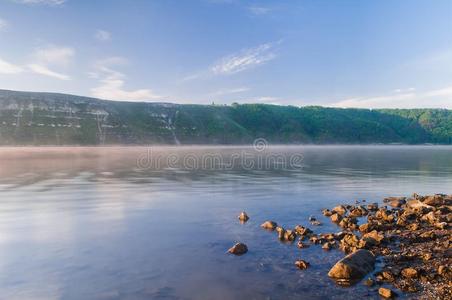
<point x="111" y="223"/>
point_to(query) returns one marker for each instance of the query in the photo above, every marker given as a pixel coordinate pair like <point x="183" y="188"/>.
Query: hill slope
<point x="59" y="119"/>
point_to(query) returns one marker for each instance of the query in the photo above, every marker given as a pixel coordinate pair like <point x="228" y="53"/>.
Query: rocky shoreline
<point x="410" y="236"/>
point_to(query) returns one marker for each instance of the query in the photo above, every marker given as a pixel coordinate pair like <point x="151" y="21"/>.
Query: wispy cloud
<point x="102" y="35"/>
<point x="9" y="68"/>
<point x="55" y="55"/>
<point x="45" y="2"/>
<point x="111" y="83"/>
<point x="259" y="10"/>
<point x="3" y="24"/>
<point x="406" y="98"/>
<point x="43" y="70"/>
<point x="244" y="60"/>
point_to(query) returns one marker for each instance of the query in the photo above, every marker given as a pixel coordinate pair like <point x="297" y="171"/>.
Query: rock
<point x="364" y="227"/>
<point x="369" y="282"/>
<point x="376" y="237"/>
<point x="301" y="230"/>
<point x="340" y="210"/>
<point x="281" y="233"/>
<point x="238" y="249"/>
<point x="435" y="200"/>
<point x="354" y="266"/>
<point x="326" y="246"/>
<point x="386" y="293"/>
<point x="316" y="223"/>
<point x="397" y="203"/>
<point x="326" y="212"/>
<point x="301" y="264"/>
<point x="301" y="245"/>
<point x="430" y="218"/>
<point x="289" y="235"/>
<point x="372" y="206"/>
<point x="269" y="225"/>
<point x="311" y="218"/>
<point x="388" y="276"/>
<point x="243" y="217"/>
<point x="409" y="273"/>
<point x="335" y="218"/>
<point x="417" y="205"/>
<point x="441" y="225"/>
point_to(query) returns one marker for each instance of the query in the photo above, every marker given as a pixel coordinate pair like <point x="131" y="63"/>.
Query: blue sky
<point x="336" y="53"/>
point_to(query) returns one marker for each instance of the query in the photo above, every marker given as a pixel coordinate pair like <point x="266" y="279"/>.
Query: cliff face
<point x="59" y="119"/>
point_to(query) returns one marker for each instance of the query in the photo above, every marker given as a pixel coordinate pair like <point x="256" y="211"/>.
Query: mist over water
<point x="138" y="222"/>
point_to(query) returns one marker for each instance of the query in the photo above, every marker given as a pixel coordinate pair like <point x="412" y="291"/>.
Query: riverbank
<point x="410" y="237"/>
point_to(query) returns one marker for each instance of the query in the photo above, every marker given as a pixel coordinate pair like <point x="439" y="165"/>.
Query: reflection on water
<point x="94" y="223"/>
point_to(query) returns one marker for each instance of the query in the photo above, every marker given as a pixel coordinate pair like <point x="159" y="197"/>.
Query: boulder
<point x="374" y="237"/>
<point x="301" y="230"/>
<point x="238" y="249"/>
<point x="243" y="217"/>
<point x="269" y="225"/>
<point x="354" y="266"/>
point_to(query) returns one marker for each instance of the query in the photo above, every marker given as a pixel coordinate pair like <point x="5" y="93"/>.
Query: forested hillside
<point x="59" y="119"/>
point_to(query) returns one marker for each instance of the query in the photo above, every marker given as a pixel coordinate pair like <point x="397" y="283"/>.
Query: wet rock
<point x="301" y="264"/>
<point x="289" y="235"/>
<point x="409" y="273"/>
<point x="316" y="223"/>
<point x="386" y="293"/>
<point x="238" y="249"/>
<point x="311" y="218"/>
<point x="243" y="217"/>
<point x="327" y="246"/>
<point x="354" y="266"/>
<point x="395" y="201"/>
<point x="372" y="206"/>
<point x="281" y="233"/>
<point x="269" y="225"/>
<point x="340" y="210"/>
<point x="369" y="282"/>
<point x="301" y="230"/>
<point x="326" y="212"/>
<point x="335" y="218"/>
<point x="301" y="245"/>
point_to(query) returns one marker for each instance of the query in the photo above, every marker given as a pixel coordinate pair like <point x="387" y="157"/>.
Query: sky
<point x="344" y="53"/>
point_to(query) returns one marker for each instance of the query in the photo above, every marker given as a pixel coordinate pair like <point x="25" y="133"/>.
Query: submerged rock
<point x="243" y="217"/>
<point x="354" y="266"/>
<point x="386" y="293"/>
<point x="269" y="225"/>
<point x="301" y="264"/>
<point x="238" y="249"/>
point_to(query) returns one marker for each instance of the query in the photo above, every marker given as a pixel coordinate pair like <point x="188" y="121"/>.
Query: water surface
<point x="110" y="223"/>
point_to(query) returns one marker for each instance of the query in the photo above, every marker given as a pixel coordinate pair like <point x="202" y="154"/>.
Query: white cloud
<point x="244" y="60"/>
<point x="45" y="2"/>
<point x="403" y="98"/>
<point x="8" y="68"/>
<point x="112" y="83"/>
<point x="3" y="24"/>
<point x="54" y="55"/>
<point x="43" y="70"/>
<point x="259" y="10"/>
<point x="102" y="35"/>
